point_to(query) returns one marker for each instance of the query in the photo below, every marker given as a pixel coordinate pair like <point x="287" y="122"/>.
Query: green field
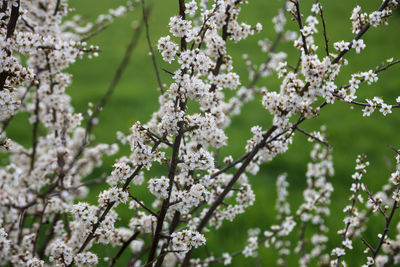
<point x="349" y="133"/>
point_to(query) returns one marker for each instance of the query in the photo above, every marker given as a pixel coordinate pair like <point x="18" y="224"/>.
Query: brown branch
<point x="165" y="204"/>
<point x="362" y="104"/>
<point x="220" y="60"/>
<point x="221" y="197"/>
<point x="4" y="7"/>
<point x="57" y="7"/>
<point x="300" y="22"/>
<point x="12" y="23"/>
<point x="297" y="219"/>
<point x="174" y="224"/>
<point x="28" y="25"/>
<point x="371" y="197"/>
<point x="386" y="229"/>
<point x="182" y="9"/>
<point x="376" y="71"/>
<point x="363" y="30"/>
<point x="94" y="181"/>
<point x="118" y="74"/>
<point x="167" y="71"/>
<point x="35" y="132"/>
<point x="153" y="56"/>
<point x="296" y="69"/>
<point x="236" y="176"/>
<point x="234" y="163"/>
<point x="174" y="161"/>
<point x="368" y="245"/>
<point x="123" y="247"/>
<point x="106" y="211"/>
<point x="321" y="13"/>
<point x="134" y="258"/>
<point x="49" y="236"/>
<point x="21" y="225"/>
<point x="314" y="137"/>
<point x="155" y="137"/>
<point x="60" y="156"/>
<point x="143" y="205"/>
<point x="387" y="66"/>
<point x="95" y="32"/>
<point x="38" y="230"/>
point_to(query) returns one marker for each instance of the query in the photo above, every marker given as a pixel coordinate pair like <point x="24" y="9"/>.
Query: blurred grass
<point x="349" y="133"/>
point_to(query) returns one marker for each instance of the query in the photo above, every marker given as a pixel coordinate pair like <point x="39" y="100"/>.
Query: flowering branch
<point x="44" y="185"/>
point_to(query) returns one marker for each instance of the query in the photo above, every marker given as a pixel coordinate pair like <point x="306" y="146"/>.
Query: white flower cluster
<point x="85" y="213"/>
<point x="352" y="221"/>
<point x="86" y="259"/>
<point x="145" y="223"/>
<point x="142" y="154"/>
<point x="121" y="171"/>
<point x="38" y="42"/>
<point x="186" y="240"/>
<point x="114" y="194"/>
<point x="185" y="200"/>
<point x="251" y="249"/>
<point x="167" y="48"/>
<point x="159" y="187"/>
<point x="4" y="245"/>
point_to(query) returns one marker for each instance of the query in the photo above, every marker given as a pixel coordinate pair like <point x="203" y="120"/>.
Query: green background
<point x="350" y="134"/>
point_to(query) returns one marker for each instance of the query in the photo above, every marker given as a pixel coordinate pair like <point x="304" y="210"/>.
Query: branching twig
<point x="363" y="30"/>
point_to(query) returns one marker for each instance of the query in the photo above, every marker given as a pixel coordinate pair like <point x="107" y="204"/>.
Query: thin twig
<point x="363" y="30"/>
<point x="300" y="22"/>
<point x="152" y="54"/>
<point x="57" y="7"/>
<point x="314" y="137"/>
<point x="35" y="132"/>
<point x="368" y="245"/>
<point x="49" y="236"/>
<point x="143" y="205"/>
<point x="38" y="230"/>
<point x="123" y="247"/>
<point x="386" y="229"/>
<point x="321" y="13"/>
<point x="99" y="107"/>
